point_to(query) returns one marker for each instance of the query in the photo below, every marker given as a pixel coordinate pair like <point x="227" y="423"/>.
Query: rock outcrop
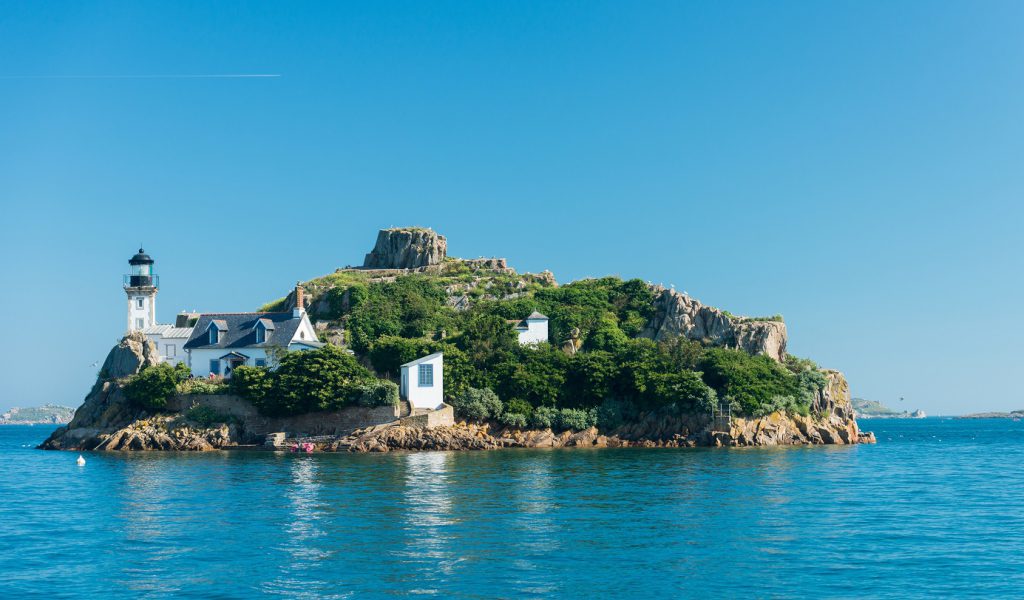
<point x="680" y="315"/>
<point x="105" y="406"/>
<point x="406" y="248"/>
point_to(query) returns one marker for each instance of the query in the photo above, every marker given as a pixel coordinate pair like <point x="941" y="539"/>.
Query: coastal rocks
<point x="164" y="433"/>
<point x="406" y="248"/>
<point x="105" y="406"/>
<point x="678" y="314"/>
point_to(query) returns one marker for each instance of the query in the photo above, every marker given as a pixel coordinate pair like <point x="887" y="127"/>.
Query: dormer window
<point x="216" y="327"/>
<point x="264" y="328"/>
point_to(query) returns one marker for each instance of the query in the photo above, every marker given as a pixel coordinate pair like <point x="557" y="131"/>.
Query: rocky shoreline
<point x="107" y="421"/>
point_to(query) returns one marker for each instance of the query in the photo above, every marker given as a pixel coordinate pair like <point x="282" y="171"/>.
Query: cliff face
<point x="105" y="405"/>
<point x="406" y="248"/>
<point x="679" y="314"/>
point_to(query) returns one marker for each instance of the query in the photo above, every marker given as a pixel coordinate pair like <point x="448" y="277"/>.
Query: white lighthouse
<point x="141" y="286"/>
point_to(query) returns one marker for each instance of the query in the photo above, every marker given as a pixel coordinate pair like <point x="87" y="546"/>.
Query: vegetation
<point x="199" y="385"/>
<point x="614" y="377"/>
<point x="205" y="416"/>
<point x="151" y="387"/>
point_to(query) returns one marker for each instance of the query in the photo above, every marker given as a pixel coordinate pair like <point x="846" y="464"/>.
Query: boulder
<point x="406" y="248"/>
<point x="677" y="314"/>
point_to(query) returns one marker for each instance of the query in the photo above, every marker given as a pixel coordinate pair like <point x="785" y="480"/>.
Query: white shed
<point x="423" y="381"/>
<point x="533" y="329"/>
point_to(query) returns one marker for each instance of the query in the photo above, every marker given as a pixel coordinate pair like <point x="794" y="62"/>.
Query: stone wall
<point x="254" y="425"/>
<point x="442" y="417"/>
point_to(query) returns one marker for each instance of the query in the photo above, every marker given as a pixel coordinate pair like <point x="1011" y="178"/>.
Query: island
<point x="418" y="350"/>
<point x="870" y="409"/>
<point x="47" y="414"/>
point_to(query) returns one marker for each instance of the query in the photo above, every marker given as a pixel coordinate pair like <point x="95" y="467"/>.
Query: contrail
<point x="219" y="76"/>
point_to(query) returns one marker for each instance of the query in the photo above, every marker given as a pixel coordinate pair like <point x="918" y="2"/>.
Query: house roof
<point x="537" y="315"/>
<point x="168" y="331"/>
<point x="238" y="330"/>
<point x="413" y="363"/>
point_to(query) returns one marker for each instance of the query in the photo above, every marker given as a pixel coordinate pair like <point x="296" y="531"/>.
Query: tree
<point x="312" y="380"/>
<point x="153" y="386"/>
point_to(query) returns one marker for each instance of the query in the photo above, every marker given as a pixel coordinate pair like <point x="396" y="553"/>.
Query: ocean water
<point x="936" y="508"/>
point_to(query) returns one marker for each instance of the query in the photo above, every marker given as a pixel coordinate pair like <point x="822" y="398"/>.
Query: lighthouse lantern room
<point x="141" y="286"/>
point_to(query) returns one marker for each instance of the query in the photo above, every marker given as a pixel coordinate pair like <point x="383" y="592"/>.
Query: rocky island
<point x="616" y="363"/>
<point x="47" y="414"/>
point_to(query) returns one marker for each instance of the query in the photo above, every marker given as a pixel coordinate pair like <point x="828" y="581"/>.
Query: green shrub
<point x="518" y="406"/>
<point x="512" y="419"/>
<point x="613" y="413"/>
<point x="251" y="383"/>
<point x="201" y="385"/>
<point x="205" y="416"/>
<point x="378" y="392"/>
<point x="312" y="380"/>
<point x="786" y="404"/>
<point x="151" y="387"/>
<point x="477" y="405"/>
<point x="577" y="418"/>
<point x="752" y="381"/>
<point x="544" y="417"/>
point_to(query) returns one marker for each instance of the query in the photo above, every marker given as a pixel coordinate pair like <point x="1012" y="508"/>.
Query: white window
<point x="302" y="335"/>
<point x="171" y="350"/>
<point x="140" y="323"/>
<point x="426" y="373"/>
<point x="140" y="302"/>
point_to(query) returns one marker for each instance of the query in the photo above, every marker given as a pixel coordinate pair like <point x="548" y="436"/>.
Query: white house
<point x="214" y="343"/>
<point x="170" y="342"/>
<point x="221" y="342"/>
<point x="533" y="329"/>
<point x="423" y="381"/>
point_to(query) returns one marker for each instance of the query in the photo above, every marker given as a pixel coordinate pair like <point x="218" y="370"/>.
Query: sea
<point x="934" y="509"/>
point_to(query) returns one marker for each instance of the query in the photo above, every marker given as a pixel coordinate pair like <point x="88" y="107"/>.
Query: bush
<point x="205" y="416"/>
<point x="477" y="405"/>
<point x="313" y="380"/>
<point x="613" y="413"/>
<point x="786" y="404"/>
<point x="251" y="383"/>
<point x="378" y="393"/>
<point x="544" y="417"/>
<point x="577" y="418"/>
<point x="512" y="419"/>
<point x="151" y="387"/>
<point x="518" y="406"/>
<point x="200" y="385"/>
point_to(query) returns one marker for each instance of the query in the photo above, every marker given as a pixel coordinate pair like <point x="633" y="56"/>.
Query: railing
<point x="141" y="281"/>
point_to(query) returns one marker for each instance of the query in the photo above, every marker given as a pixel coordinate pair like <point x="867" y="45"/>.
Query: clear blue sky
<point x="854" y="166"/>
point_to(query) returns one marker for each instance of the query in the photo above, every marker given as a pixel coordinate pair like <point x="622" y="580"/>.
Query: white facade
<point x="423" y="381"/>
<point x="141" y="307"/>
<point x="533" y="329"/>
<point x="170" y="342"/>
<point x="204" y="362"/>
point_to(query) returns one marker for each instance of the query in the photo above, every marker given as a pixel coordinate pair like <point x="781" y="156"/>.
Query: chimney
<point x="300" y="301"/>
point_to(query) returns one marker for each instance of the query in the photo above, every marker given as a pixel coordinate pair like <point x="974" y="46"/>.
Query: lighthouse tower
<point x="141" y="286"/>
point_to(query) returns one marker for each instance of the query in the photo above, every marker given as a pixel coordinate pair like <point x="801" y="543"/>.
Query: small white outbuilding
<point x="533" y="329"/>
<point x="423" y="381"/>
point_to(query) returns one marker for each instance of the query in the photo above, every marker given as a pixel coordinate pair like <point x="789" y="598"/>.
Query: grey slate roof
<point x="536" y="315"/>
<point x="241" y="332"/>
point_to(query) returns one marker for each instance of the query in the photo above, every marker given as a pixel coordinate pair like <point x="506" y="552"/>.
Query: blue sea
<point x="936" y="508"/>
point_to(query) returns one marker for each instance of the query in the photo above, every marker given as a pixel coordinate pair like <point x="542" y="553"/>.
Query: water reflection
<point x="427" y="514"/>
<point x="303" y="543"/>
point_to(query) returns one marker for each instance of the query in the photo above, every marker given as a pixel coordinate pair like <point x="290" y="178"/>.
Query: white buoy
<point x="80" y="461"/>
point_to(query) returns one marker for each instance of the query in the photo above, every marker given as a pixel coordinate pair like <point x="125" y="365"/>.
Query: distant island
<point x="418" y="350"/>
<point x="48" y="414"/>
<point x="1013" y="414"/>
<point x="870" y="409"/>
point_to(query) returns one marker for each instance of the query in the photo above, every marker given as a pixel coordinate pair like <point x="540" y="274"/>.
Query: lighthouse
<point x="141" y="285"/>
